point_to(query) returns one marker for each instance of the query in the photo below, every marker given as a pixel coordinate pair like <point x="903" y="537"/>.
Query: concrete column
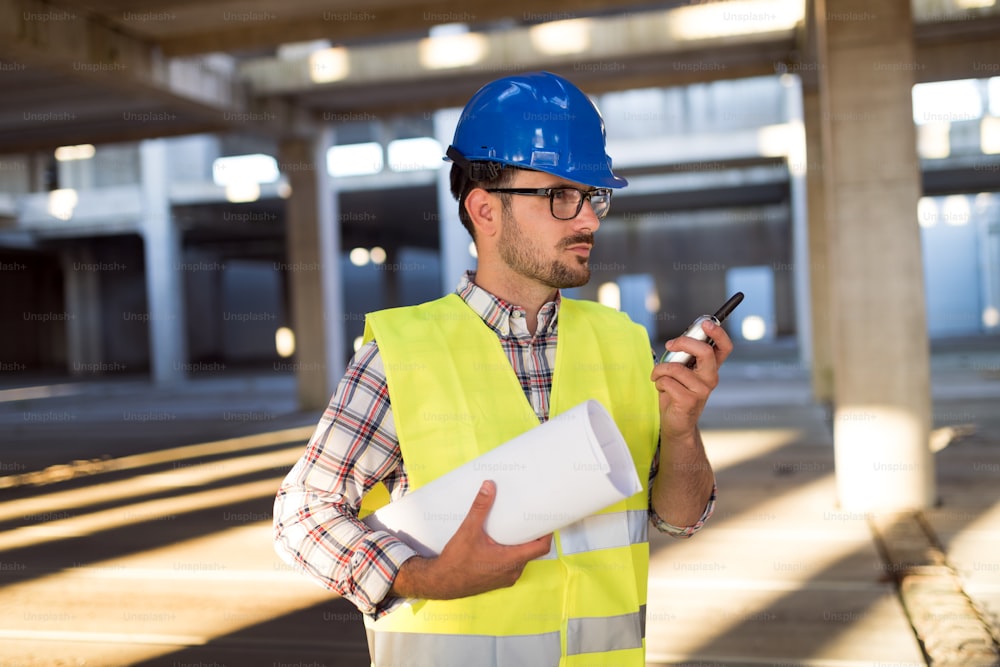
<point x="819" y="261"/>
<point x="872" y="177"/>
<point x="83" y="307"/>
<point x="455" y="257"/>
<point x="312" y="228"/>
<point x="164" y="281"/>
<point x="799" y="211"/>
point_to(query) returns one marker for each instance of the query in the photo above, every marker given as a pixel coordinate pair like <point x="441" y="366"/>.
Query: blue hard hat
<point x="539" y="121"/>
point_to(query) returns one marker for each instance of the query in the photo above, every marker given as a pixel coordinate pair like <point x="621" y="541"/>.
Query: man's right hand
<point x="471" y="562"/>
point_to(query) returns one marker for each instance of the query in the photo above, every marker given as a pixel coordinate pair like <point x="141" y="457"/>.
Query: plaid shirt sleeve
<point x="316" y="528"/>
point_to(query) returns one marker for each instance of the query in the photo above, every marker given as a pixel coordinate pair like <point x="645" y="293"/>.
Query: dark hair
<point x="484" y="175"/>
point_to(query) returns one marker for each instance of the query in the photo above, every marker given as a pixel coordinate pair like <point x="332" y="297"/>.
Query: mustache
<point x="577" y="239"/>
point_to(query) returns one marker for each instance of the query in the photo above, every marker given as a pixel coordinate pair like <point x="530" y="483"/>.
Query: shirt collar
<point x="497" y="313"/>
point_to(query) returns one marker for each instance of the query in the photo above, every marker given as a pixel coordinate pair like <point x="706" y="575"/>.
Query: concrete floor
<point x="135" y="528"/>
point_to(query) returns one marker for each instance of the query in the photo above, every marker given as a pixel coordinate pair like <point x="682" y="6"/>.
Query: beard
<point x="522" y="254"/>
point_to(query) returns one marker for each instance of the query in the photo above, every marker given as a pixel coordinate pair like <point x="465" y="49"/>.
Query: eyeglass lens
<point x="568" y="202"/>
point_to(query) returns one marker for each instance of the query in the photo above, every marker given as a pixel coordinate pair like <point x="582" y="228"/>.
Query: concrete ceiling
<point x="98" y="71"/>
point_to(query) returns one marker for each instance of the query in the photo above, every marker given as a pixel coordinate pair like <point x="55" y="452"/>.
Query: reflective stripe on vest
<point x="408" y="649"/>
<point x="605" y="531"/>
<point x="583" y="635"/>
<point x="611" y="633"/>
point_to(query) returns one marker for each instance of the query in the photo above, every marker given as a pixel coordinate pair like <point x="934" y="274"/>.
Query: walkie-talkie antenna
<point x="722" y="313"/>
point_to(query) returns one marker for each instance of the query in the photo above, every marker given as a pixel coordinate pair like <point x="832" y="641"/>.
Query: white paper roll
<point x="571" y="466"/>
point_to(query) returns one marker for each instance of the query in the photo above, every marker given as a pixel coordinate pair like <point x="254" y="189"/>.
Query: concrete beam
<point x="678" y="46"/>
<point x="957" y="50"/>
<point x="74" y="78"/>
<point x="681" y="45"/>
<point x="340" y="24"/>
<point x="67" y="42"/>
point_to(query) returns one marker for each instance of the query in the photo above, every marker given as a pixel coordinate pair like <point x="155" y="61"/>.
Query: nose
<point x="586" y="219"/>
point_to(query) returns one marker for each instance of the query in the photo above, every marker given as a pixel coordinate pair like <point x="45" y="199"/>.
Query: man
<point x="440" y="383"/>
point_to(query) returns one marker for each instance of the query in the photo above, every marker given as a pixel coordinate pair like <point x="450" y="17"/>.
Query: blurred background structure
<point x="197" y="194"/>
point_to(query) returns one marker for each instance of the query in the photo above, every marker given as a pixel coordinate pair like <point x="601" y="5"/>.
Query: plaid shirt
<point x="354" y="447"/>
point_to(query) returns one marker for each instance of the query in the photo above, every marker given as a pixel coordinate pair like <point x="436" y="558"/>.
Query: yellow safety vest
<point x="454" y="397"/>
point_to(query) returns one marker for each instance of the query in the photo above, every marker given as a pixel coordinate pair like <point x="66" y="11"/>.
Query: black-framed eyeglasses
<point x="565" y="203"/>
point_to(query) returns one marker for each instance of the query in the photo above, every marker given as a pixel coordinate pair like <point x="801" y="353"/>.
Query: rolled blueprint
<point x="557" y="473"/>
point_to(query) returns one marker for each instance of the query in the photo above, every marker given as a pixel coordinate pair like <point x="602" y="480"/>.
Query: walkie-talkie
<point x="695" y="331"/>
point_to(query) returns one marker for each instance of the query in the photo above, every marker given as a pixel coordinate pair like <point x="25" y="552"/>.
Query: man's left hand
<point x="684" y="391"/>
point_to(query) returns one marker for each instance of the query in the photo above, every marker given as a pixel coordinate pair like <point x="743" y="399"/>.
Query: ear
<point x="484" y="211"/>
